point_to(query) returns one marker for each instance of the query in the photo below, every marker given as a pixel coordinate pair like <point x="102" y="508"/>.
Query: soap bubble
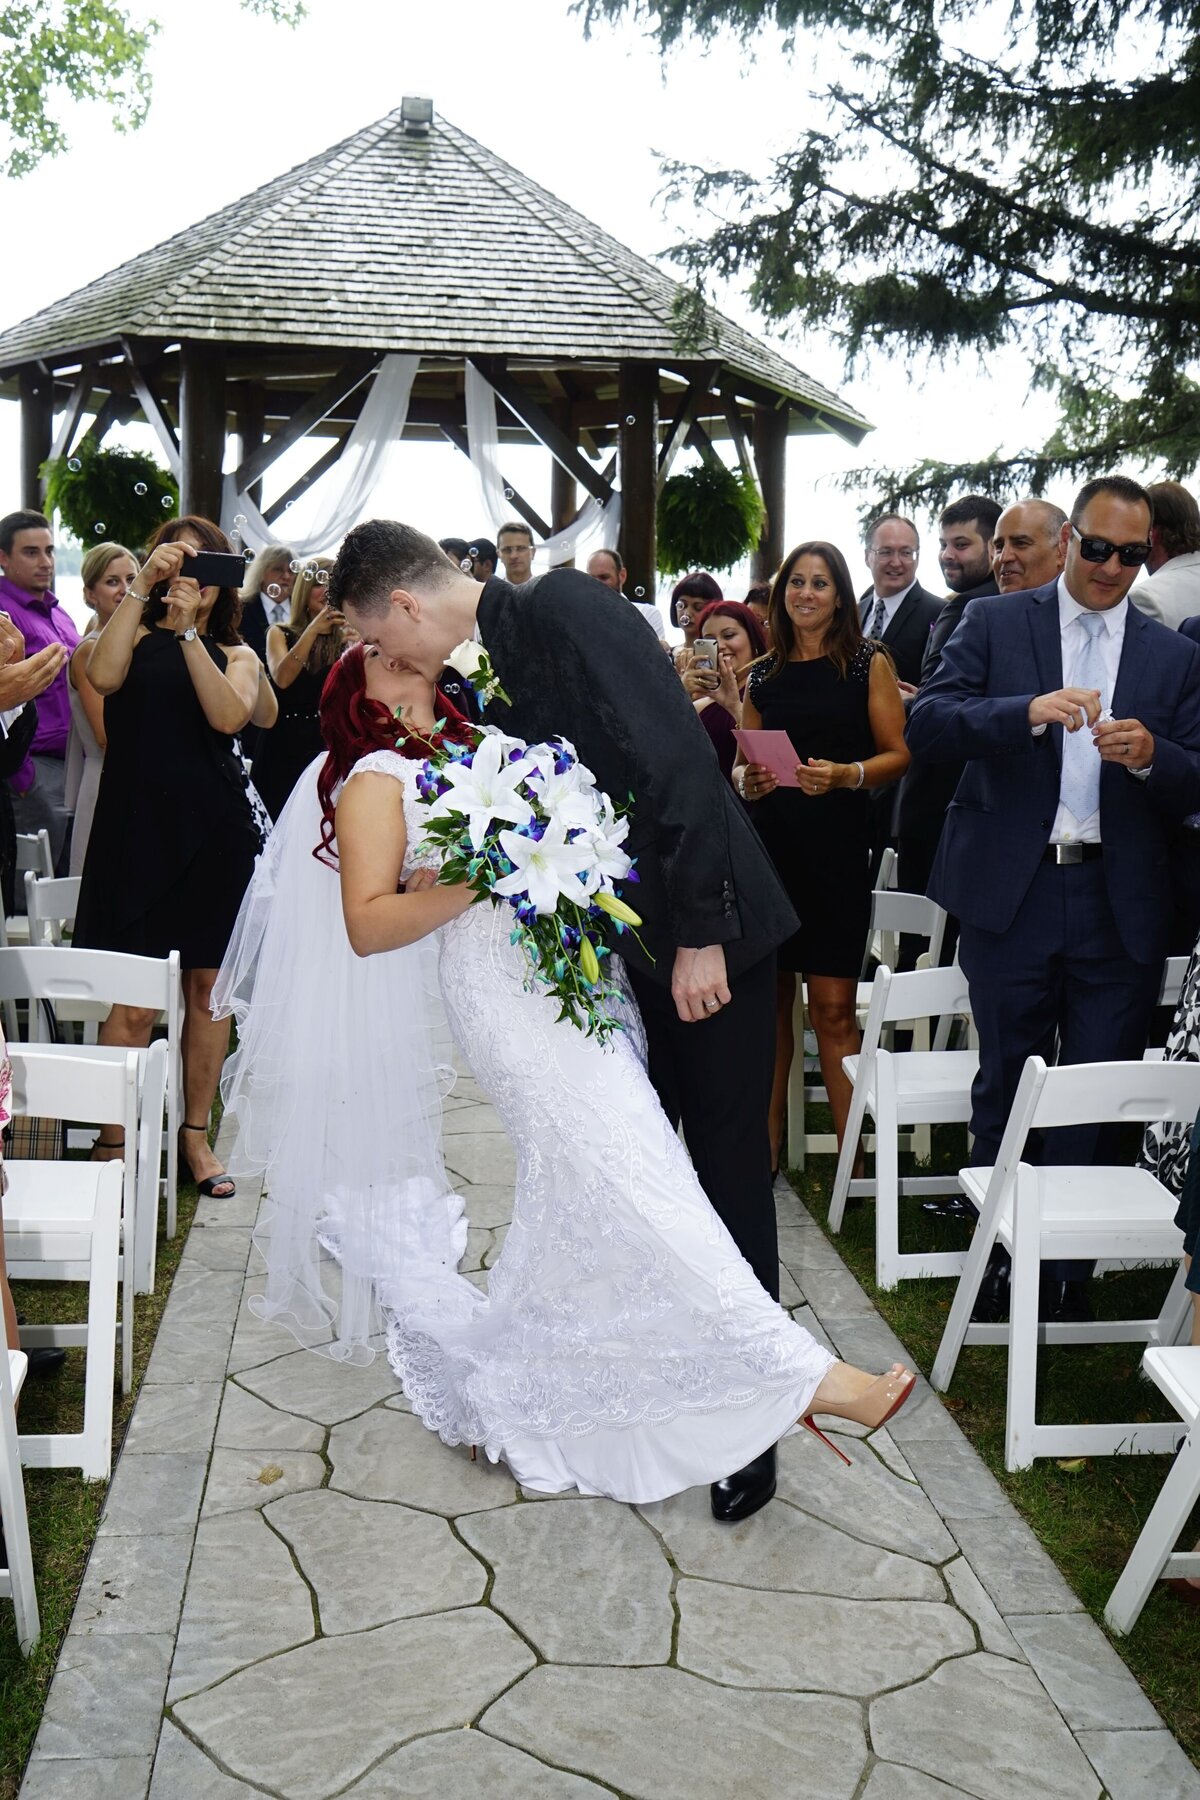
<point x="639" y="593"/>
<point x="466" y="565"/>
<point x="473" y="552"/>
<point x="74" y="464"/>
<point x="140" y="488"/>
<point x="322" y="577"/>
<point x="240" y="522"/>
<point x="508" y="493"/>
<point x="293" y="567"/>
<point x="99" y="528"/>
<point x="168" y="502"/>
<point x="248" y="555"/>
<point x="274" y="591"/>
<point x="631" y="418"/>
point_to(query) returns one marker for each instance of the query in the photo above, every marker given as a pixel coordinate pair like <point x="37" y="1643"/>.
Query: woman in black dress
<point x="299" y="656"/>
<point x="834" y="693"/>
<point x="173" y="841"/>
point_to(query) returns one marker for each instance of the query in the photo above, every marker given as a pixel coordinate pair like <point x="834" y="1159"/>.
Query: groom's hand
<point x="697" y="981"/>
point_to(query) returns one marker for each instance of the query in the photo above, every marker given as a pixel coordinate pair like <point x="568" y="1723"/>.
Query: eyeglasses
<point x="1098" y="550"/>
<point x="905" y="555"/>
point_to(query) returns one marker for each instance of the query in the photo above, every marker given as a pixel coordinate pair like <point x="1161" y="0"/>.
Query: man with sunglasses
<point x="1078" y="720"/>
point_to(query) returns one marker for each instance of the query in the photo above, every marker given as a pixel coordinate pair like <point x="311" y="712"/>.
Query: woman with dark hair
<point x="834" y="693"/>
<point x="717" y="696"/>
<point x="689" y="597"/>
<point x="173" y="841"/>
<point x="623" y="1347"/>
<point x="300" y="655"/>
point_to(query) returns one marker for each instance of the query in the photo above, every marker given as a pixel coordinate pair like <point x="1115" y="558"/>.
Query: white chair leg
<point x="796" y="1099"/>
<point x="127" y="1316"/>
<point x="887" y="1177"/>
<point x="954" y="1336"/>
<point x="1021" y="1409"/>
<point x="1157" y="1539"/>
<point x="845" y="1167"/>
<point x="16" y="1531"/>
<point x="1176" y="1315"/>
<point x="174" y="1090"/>
<point x="96" y="1454"/>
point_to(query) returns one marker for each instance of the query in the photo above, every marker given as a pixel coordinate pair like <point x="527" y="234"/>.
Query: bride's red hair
<point x="353" y="725"/>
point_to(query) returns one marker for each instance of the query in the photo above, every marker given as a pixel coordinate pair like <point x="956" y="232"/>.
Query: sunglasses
<point x="1098" y="550"/>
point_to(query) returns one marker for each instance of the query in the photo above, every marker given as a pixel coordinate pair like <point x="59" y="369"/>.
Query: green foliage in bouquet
<point x="112" y="496"/>
<point x="710" y="517"/>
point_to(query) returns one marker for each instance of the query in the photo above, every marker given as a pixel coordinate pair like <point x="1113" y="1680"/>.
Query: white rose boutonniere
<point x="472" y="662"/>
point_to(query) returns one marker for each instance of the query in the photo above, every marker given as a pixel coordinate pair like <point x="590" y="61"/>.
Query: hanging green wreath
<point x="710" y="517"/>
<point x="112" y="496"/>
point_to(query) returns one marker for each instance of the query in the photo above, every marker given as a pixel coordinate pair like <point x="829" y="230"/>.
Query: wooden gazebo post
<point x="770" y="461"/>
<point x="201" y="427"/>
<point x="37" y="432"/>
<point x="638" y="441"/>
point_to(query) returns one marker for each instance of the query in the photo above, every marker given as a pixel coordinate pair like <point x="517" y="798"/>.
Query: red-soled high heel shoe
<point x="880" y="1402"/>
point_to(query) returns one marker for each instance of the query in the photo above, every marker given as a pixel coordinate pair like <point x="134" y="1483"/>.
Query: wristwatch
<point x="185" y="637"/>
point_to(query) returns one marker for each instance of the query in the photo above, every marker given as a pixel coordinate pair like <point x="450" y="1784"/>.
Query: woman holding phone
<point x="299" y="656"/>
<point x="717" y="689"/>
<point x="173" y="842"/>
<point x="834" y="693"/>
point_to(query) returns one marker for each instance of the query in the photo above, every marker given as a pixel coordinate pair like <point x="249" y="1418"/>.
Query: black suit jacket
<point x="928" y="788"/>
<point x="577" y="662"/>
<point x="908" y="630"/>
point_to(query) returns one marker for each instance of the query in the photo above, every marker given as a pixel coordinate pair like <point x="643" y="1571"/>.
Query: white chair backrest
<point x="1100" y="1093"/>
<point x="915" y="994"/>
<point x="33" y="852"/>
<point x="887" y="870"/>
<point x="914" y="914"/>
<point x="1174" y="971"/>
<point x="94" y="1090"/>
<point x="61" y="972"/>
<point x="50" y="904"/>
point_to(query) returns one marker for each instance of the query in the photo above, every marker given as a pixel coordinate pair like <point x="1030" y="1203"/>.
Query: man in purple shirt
<point x="27" y="596"/>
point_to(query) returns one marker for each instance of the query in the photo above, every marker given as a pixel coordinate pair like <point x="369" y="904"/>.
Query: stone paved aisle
<point x="299" y="1591"/>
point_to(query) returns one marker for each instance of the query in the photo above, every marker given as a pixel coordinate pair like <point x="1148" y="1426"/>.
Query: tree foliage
<point x="709" y="517"/>
<point x="980" y="177"/>
<point x="83" y="50"/>
<point x="110" y="495"/>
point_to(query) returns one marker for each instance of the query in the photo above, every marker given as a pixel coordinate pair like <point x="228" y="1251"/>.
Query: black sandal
<point x="208" y="1187"/>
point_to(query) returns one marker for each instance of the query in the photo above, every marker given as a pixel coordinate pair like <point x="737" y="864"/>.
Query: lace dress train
<point x="623" y="1347"/>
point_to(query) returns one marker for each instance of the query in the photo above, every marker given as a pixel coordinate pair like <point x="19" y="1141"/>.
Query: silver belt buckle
<point x="1068" y="853"/>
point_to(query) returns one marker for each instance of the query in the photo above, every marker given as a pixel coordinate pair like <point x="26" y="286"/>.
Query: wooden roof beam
<point x="543" y="427"/>
<point x="681" y="424"/>
<point x="319" y="468"/>
<point x="143" y="371"/>
<point x="317" y="407"/>
<point x="532" y="518"/>
<point x="81" y="393"/>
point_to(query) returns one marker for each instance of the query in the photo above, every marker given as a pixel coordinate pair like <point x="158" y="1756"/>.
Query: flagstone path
<point x="299" y="1591"/>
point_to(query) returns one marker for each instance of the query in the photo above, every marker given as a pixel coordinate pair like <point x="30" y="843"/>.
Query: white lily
<point x="543" y="868"/>
<point x="485" y="787"/>
<point x="606" y="860"/>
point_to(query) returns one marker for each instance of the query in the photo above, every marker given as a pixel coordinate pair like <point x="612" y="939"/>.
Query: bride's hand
<point x="419" y="880"/>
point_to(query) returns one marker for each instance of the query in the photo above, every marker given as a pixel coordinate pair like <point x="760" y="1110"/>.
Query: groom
<point x="575" y="662"/>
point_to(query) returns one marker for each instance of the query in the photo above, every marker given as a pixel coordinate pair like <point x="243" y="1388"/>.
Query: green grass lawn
<point x="64" y="1510"/>
<point x="1089" y="1519"/>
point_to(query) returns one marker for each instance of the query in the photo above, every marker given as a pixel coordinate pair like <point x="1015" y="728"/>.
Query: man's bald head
<point x="1027" y="547"/>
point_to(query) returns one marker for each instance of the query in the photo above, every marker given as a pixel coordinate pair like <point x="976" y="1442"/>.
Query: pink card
<point x="774" y="750"/>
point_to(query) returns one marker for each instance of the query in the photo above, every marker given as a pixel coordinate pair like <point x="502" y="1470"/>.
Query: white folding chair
<point x="1174" y="973"/>
<point x="33" y="854"/>
<point x="1057" y="1212"/>
<point x="16" y="1581"/>
<point x="64" y="976"/>
<point x="104" y="1091"/>
<point x="51" y="902"/>
<point x="891" y="913"/>
<point x="1154" y="1557"/>
<point x="905" y="1088"/>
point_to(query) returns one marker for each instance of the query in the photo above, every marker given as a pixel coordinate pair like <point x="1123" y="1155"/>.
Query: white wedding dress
<point x="624" y="1347"/>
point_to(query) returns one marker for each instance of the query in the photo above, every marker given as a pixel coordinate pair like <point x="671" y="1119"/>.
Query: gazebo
<point x="270" y="319"/>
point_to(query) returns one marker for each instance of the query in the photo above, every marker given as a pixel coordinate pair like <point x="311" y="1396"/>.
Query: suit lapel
<point x="1131" y="666"/>
<point x="903" y="611"/>
<point x="1046" y="632"/>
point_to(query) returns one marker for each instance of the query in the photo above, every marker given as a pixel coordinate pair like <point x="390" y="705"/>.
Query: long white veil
<point x="336" y="1089"/>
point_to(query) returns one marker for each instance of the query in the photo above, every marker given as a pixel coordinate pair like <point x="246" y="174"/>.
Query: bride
<point x="624" y="1347"/>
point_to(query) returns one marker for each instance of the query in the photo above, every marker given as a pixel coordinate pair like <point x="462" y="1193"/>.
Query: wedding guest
<point x="835" y="694"/>
<point x="299" y="656"/>
<point x="689" y="597"/>
<point x="457" y="549"/>
<point x="266" y="598"/>
<point x="484" y="555"/>
<point x="1027" y="546"/>
<point x="606" y="566"/>
<point x="718" y="697"/>
<point x="27" y="595"/>
<point x="107" y="573"/>
<point x="22" y="679"/>
<point x="1170" y="590"/>
<point x="174" y="840"/>
<point x="515" y="547"/>
<point x="758" y="599"/>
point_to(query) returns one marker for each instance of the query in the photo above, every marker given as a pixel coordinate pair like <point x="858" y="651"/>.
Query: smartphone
<point x="214" y="568"/>
<point x="704" y="650"/>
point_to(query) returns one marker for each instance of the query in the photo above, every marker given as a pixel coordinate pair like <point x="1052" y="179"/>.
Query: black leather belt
<point x="1065" y="854"/>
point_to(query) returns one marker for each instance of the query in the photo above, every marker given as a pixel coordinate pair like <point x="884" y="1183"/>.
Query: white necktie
<point x="1080" y="788"/>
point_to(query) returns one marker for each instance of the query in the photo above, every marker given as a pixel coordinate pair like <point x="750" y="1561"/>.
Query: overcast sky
<point x="237" y="100"/>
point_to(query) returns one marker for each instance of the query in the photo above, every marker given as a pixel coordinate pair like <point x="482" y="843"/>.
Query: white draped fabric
<point x="346" y="489"/>
<point x="596" y="519"/>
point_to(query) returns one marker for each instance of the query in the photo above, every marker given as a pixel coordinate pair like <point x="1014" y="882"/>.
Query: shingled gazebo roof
<point x="390" y="241"/>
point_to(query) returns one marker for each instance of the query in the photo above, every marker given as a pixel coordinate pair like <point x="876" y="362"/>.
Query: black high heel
<point x="208" y="1187"/>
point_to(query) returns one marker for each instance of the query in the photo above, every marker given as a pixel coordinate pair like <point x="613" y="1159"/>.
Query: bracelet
<point x="740" y="782"/>
<point x="862" y="776"/>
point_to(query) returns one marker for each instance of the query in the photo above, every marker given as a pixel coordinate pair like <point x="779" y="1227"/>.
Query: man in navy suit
<point x="1078" y="719"/>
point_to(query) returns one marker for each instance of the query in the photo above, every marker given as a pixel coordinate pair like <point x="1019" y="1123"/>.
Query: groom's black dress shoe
<point x="992" y="1300"/>
<point x="743" y="1492"/>
<point x="1064" y="1302"/>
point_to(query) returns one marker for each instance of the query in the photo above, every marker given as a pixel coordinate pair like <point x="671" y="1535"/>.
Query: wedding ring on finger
<point x="711" y="1005"/>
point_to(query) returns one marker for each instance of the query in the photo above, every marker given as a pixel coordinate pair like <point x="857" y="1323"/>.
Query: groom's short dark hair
<point x="381" y="555"/>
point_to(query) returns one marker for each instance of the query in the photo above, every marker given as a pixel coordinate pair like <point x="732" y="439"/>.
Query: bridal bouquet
<point x="526" y="826"/>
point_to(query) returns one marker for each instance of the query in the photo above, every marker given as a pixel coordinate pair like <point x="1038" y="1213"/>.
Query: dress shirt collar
<point x="1069" y="610"/>
<point x="891" y="602"/>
